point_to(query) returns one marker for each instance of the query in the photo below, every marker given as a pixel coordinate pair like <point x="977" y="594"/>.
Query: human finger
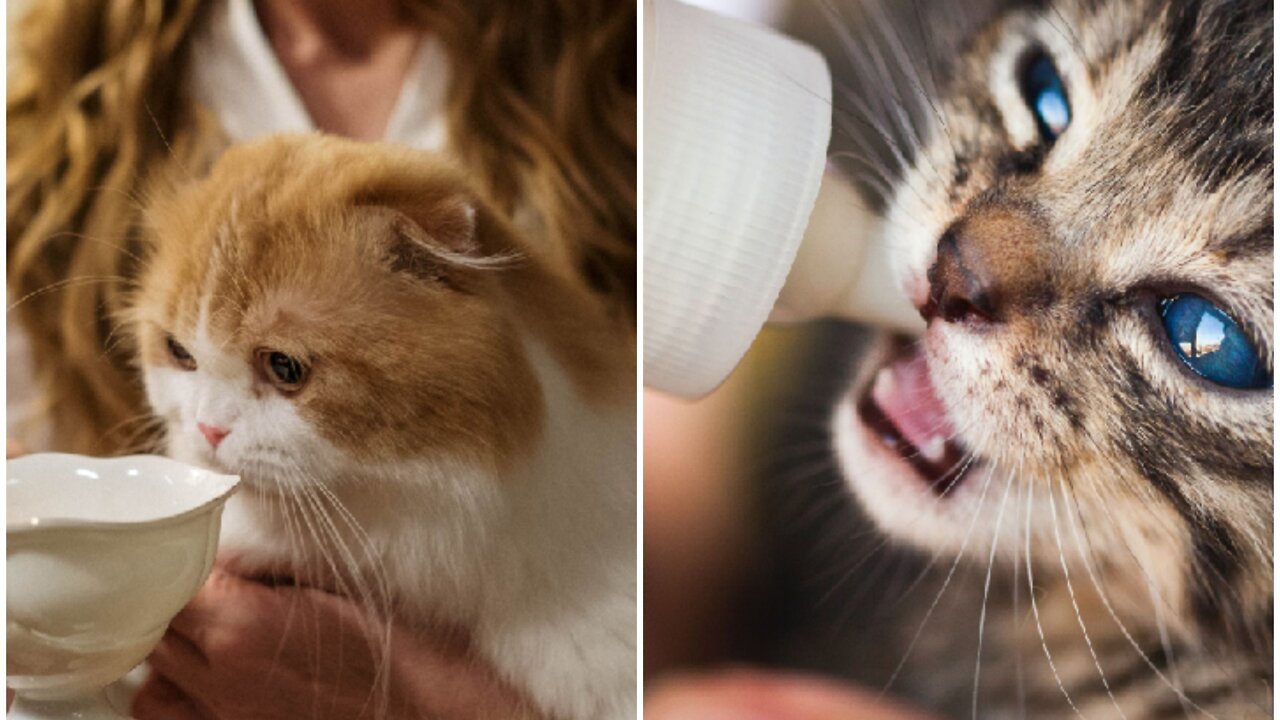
<point x="177" y="655"/>
<point x="748" y="695"/>
<point x="160" y="699"/>
<point x="225" y="610"/>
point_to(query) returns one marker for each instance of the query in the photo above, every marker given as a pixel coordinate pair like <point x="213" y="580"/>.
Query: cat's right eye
<point x="179" y="354"/>
<point x="285" y="372"/>
<point x="1043" y="91"/>
<point x="1212" y="343"/>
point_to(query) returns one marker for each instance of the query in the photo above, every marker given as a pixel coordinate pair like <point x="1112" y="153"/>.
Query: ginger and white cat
<point x="426" y="413"/>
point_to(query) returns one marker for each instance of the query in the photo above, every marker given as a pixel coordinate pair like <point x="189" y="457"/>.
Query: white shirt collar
<point x="235" y="73"/>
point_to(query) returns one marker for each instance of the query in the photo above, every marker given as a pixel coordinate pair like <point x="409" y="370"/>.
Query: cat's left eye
<point x="1212" y="344"/>
<point x="1045" y="95"/>
<point x="281" y="370"/>
<point x="179" y="354"/>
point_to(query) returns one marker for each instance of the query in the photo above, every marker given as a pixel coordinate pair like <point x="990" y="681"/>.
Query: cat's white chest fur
<point x="539" y="564"/>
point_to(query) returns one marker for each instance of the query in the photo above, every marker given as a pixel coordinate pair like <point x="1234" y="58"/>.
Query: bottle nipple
<point x="844" y="266"/>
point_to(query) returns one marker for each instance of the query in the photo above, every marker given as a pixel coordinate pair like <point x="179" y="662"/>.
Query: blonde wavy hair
<point x="541" y="109"/>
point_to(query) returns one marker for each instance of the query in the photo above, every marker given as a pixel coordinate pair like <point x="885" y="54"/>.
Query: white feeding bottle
<point x="741" y="219"/>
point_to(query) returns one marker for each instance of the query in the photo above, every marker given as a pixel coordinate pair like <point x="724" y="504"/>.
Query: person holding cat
<point x="111" y="93"/>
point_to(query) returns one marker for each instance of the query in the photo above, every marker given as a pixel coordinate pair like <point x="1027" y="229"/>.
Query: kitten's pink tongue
<point x="905" y="394"/>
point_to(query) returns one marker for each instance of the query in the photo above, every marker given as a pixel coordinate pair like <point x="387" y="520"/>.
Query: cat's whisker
<point x="146" y="421"/>
<point x="906" y="179"/>
<point x="281" y="505"/>
<point x="69" y="283"/>
<point x="1035" y="608"/>
<point x="308" y="485"/>
<point x="853" y="121"/>
<point x="845" y="576"/>
<point x="366" y="544"/>
<point x="1083" y="541"/>
<point x="959" y="469"/>
<point x="1016" y="618"/>
<point x="986" y="590"/>
<point x="376" y="604"/>
<point x="115" y="336"/>
<point x="1171" y="528"/>
<point x="956" y="472"/>
<point x="859" y="201"/>
<point x="1075" y="605"/>
<point x="869" y="61"/>
<point x="380" y="595"/>
<point x="928" y="94"/>
<point x="89" y="238"/>
<point x="922" y="96"/>
<point x="963" y="464"/>
<point x="882" y="181"/>
<point x="1064" y="29"/>
<point x="160" y="133"/>
<point x="977" y="513"/>
<point x="307" y="512"/>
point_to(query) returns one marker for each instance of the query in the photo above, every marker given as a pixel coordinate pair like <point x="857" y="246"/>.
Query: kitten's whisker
<point x="905" y="179"/>
<point x="1065" y="30"/>
<point x="882" y="180"/>
<point x="928" y="93"/>
<point x="1066" y="575"/>
<point x="936" y="554"/>
<point x="963" y="464"/>
<point x="1171" y="528"/>
<point x="986" y="590"/>
<point x="910" y="72"/>
<point x="867" y="56"/>
<point x="1017" y="617"/>
<point x="1086" y="554"/>
<point x="1035" y="609"/>
<point x="946" y="582"/>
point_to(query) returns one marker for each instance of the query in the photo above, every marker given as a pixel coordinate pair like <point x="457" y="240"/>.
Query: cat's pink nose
<point x="213" y="434"/>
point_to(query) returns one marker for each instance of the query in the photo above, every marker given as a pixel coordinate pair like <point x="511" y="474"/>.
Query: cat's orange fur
<point x="457" y="376"/>
<point x="462" y="447"/>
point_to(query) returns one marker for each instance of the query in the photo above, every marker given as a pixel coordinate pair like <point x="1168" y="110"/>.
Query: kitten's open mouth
<point x="903" y="411"/>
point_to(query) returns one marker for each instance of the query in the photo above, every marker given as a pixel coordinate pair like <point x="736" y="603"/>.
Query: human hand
<point x="242" y="650"/>
<point x="751" y="695"/>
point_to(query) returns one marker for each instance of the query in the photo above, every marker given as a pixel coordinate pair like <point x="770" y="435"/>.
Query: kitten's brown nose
<point x="213" y="434"/>
<point x="987" y="268"/>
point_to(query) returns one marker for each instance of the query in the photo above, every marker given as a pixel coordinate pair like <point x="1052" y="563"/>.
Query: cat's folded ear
<point x="432" y="242"/>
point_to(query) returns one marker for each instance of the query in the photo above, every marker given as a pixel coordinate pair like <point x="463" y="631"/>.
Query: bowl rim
<point x="27" y="527"/>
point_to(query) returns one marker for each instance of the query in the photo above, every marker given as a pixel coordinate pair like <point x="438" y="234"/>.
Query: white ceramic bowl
<point x="102" y="553"/>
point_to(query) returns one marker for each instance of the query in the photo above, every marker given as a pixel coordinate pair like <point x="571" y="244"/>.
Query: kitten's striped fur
<point x="1136" y="499"/>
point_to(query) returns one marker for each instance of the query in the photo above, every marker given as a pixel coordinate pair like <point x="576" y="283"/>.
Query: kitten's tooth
<point x="934" y="449"/>
<point x="885" y="385"/>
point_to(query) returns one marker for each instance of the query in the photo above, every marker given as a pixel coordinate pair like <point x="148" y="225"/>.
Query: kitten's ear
<point x="431" y="242"/>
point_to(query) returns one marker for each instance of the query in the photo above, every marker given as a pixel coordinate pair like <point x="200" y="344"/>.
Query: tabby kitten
<point x="1081" y="203"/>
<point x="427" y="414"/>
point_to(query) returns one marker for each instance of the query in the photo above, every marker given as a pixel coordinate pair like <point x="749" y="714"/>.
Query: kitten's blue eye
<point x="1212" y="344"/>
<point x="1042" y="89"/>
